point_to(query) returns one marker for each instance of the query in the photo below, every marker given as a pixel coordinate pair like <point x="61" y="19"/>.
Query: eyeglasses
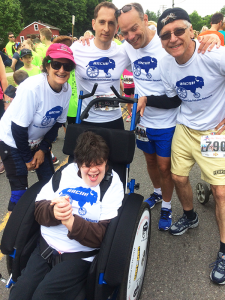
<point x="124" y="9"/>
<point x="11" y="37"/>
<point x="56" y="65"/>
<point x="176" y="32"/>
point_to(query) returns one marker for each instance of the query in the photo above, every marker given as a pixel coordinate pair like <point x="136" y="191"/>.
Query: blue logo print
<point x="103" y="63"/>
<point x="82" y="196"/>
<point x="53" y="113"/>
<point x="145" y="63"/>
<point x="189" y="83"/>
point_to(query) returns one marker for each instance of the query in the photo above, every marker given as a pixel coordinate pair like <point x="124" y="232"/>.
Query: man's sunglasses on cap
<point x="176" y="32"/>
<point x="56" y="65"/>
<point x="124" y="9"/>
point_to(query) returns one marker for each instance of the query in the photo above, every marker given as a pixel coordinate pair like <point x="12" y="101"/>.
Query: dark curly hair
<point x="90" y="148"/>
<point x="45" y="63"/>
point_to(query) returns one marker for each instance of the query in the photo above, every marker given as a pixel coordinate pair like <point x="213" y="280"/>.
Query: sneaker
<point x="153" y="199"/>
<point x="218" y="272"/>
<point x="183" y="224"/>
<point x="55" y="161"/>
<point x="165" y="220"/>
<point x="128" y="119"/>
<point x="2" y="168"/>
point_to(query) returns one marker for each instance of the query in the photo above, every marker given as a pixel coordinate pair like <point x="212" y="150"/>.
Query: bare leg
<point x="153" y="170"/>
<point x="219" y="196"/>
<point x="166" y="182"/>
<point x="184" y="191"/>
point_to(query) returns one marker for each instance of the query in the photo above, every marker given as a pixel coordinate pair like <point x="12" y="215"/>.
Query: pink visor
<point x="60" y="51"/>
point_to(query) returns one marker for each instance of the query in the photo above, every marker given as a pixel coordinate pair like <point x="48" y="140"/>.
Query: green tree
<point x="207" y="20"/>
<point x="196" y="20"/>
<point x="223" y="10"/>
<point x="151" y="16"/>
<point x="57" y="13"/>
<point x="10" y="19"/>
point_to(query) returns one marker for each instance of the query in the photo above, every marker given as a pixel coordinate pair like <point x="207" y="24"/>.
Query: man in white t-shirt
<point x="103" y="63"/>
<point x="199" y="82"/>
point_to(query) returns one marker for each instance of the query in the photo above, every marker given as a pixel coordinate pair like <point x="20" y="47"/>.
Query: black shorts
<point x="129" y="91"/>
<point x="2" y="110"/>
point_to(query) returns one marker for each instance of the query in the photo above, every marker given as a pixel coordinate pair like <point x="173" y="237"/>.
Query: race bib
<point x="128" y="79"/>
<point x="106" y="106"/>
<point x="140" y="132"/>
<point x="213" y="145"/>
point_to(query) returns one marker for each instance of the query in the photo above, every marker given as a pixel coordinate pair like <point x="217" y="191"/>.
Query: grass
<point x="11" y="80"/>
<point x="8" y="70"/>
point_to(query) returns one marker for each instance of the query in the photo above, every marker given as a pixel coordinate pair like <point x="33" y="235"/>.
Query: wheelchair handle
<point x="90" y="94"/>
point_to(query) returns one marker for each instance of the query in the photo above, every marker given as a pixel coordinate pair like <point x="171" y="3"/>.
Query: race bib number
<point x="107" y="106"/>
<point x="213" y="145"/>
<point x="128" y="79"/>
<point x="140" y="132"/>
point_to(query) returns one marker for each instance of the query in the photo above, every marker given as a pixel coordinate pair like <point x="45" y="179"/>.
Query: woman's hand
<point x="62" y="208"/>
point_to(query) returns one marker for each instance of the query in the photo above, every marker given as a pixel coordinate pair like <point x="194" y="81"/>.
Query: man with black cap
<point x="199" y="81"/>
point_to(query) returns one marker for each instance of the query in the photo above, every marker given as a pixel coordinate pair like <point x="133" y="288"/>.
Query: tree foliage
<point x="10" y="19"/>
<point x="223" y="10"/>
<point x="151" y="16"/>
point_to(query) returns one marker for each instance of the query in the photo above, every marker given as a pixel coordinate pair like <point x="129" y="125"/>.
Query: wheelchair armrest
<point x="120" y="247"/>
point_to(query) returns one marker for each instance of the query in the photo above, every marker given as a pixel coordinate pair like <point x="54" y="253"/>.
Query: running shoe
<point x="55" y="161"/>
<point x="153" y="199"/>
<point x="183" y="224"/>
<point x="165" y="220"/>
<point x="2" y="168"/>
<point x="218" y="272"/>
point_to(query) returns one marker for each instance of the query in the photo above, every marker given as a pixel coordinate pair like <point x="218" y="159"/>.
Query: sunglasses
<point x="124" y="9"/>
<point x="177" y="32"/>
<point x="11" y="37"/>
<point x="56" y="65"/>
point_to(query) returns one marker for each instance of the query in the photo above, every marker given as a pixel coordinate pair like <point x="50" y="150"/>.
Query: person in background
<point x="9" y="95"/>
<point x="10" y="45"/>
<point x="204" y="28"/>
<point x="3" y="86"/>
<point x="37" y="61"/>
<point x="27" y="57"/>
<point x="120" y="35"/>
<point x="128" y="84"/>
<point x="45" y="37"/>
<point x="152" y="25"/>
<point x="39" y="48"/>
<point x="19" y="76"/>
<point x="88" y="34"/>
<point x="222" y="29"/>
<point x="216" y="23"/>
<point x="16" y="62"/>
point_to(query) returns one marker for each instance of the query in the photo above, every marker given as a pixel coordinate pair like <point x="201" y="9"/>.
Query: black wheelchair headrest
<point x="120" y="142"/>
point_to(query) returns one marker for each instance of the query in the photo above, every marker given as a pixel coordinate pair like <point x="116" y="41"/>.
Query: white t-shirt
<point x="104" y="67"/>
<point x="37" y="107"/>
<point x="200" y="84"/>
<point x="85" y="203"/>
<point x="147" y="79"/>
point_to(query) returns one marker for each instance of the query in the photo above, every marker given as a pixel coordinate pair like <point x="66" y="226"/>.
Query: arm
<point x="3" y="78"/>
<point x="208" y="41"/>
<point x="49" y="137"/>
<point x="13" y="65"/>
<point x="44" y="213"/>
<point x="162" y="101"/>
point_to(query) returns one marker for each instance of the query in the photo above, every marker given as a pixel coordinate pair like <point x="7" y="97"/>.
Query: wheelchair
<point x="118" y="270"/>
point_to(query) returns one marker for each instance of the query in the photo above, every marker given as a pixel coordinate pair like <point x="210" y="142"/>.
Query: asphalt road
<point x="178" y="267"/>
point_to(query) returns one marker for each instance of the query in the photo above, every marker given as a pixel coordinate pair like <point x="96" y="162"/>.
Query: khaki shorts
<point x="186" y="150"/>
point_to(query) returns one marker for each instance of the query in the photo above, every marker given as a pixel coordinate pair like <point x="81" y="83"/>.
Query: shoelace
<point x="154" y="196"/>
<point x="164" y="214"/>
<point x="217" y="262"/>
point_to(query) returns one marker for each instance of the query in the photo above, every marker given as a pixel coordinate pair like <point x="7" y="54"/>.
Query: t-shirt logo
<point x="82" y="196"/>
<point x="53" y="113"/>
<point x="103" y="63"/>
<point x="145" y="63"/>
<point x="189" y="83"/>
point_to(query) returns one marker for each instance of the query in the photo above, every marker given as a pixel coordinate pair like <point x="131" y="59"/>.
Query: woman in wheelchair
<point x="73" y="223"/>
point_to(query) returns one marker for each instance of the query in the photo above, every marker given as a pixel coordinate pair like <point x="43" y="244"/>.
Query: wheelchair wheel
<point x="138" y="255"/>
<point x="9" y="263"/>
<point x="202" y="192"/>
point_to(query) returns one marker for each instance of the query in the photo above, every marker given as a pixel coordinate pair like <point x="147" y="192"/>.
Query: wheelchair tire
<point x="138" y="255"/>
<point x="202" y="192"/>
<point x="9" y="264"/>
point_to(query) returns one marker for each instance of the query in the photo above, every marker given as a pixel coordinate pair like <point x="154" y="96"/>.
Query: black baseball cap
<point x="24" y="52"/>
<point x="170" y="15"/>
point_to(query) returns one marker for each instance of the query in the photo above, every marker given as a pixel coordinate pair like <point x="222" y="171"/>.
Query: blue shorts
<point x="160" y="141"/>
